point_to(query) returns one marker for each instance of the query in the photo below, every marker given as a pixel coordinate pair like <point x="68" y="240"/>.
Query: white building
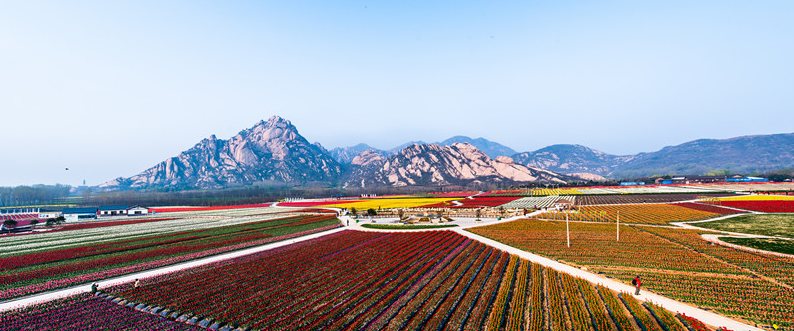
<point x="76" y="214"/>
<point x="112" y="211"/>
<point x="49" y="214"/>
<point x="137" y="210"/>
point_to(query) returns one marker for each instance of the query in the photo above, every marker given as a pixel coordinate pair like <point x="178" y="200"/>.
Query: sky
<point x="111" y="88"/>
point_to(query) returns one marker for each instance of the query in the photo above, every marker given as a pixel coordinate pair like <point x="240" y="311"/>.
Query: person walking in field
<point x="94" y="288"/>
<point x="137" y="284"/>
<point x="636" y="282"/>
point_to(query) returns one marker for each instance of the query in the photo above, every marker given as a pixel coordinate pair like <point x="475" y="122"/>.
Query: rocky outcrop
<point x="271" y="150"/>
<point x="458" y="164"/>
<point x="345" y="155"/>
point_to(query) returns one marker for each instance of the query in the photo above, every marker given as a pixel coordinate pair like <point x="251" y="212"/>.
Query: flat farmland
<point x="661" y="214"/>
<point x="45" y="261"/>
<point x="674" y="262"/>
<point x="431" y="280"/>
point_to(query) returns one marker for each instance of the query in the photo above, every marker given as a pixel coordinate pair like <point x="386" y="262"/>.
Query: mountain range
<point x="273" y="151"/>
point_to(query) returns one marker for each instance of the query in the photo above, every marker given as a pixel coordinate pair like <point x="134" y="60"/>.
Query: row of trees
<point x="32" y="195"/>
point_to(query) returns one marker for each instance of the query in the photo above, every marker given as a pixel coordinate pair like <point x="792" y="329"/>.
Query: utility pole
<point x="567" y="231"/>
<point x="618" y="231"/>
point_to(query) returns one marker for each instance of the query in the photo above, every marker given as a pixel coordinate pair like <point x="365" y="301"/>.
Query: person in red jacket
<point x="636" y="282"/>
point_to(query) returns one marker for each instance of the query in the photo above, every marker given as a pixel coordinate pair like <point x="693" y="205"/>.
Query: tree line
<point x="32" y="195"/>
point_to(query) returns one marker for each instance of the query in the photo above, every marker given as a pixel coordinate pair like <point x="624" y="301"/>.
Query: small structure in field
<point x="74" y="214"/>
<point x="110" y="211"/>
<point x="137" y="210"/>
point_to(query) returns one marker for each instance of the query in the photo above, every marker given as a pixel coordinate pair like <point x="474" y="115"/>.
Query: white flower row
<point x="540" y="202"/>
<point x="189" y="221"/>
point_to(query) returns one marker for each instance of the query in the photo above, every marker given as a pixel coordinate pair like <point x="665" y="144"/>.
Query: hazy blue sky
<point x="110" y="88"/>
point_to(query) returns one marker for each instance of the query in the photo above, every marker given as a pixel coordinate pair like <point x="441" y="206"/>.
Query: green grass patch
<point x="776" y="225"/>
<point x="407" y="227"/>
<point x="772" y="245"/>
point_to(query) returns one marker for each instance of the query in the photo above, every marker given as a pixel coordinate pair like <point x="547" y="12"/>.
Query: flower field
<point x="634" y="214"/>
<point x="50" y="265"/>
<point x="475" y="202"/>
<point x="430" y="280"/>
<point x="537" y="202"/>
<point x="614" y="199"/>
<point x="768" y="206"/>
<point x="454" y="194"/>
<point x="534" y="192"/>
<point x="708" y="208"/>
<point x="676" y="263"/>
<point x="183" y="209"/>
<point x="364" y="204"/>
<point x="86" y="312"/>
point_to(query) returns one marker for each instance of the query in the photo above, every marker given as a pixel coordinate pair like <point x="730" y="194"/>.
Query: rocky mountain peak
<point x="271" y="150"/>
<point x="433" y="164"/>
<point x="367" y="157"/>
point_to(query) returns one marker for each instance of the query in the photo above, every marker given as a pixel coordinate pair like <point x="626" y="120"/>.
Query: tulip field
<point x="636" y="214"/>
<point x="475" y="202"/>
<point x="86" y="312"/>
<point x="374" y="203"/>
<point x="613" y="199"/>
<point x="350" y="280"/>
<point x="537" y="202"/>
<point x="44" y="263"/>
<point x="673" y="262"/>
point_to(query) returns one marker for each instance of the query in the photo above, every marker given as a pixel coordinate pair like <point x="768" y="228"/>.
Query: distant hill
<point x="738" y="155"/>
<point x="571" y="159"/>
<point x="345" y="155"/>
<point x="490" y="148"/>
<point x="273" y="151"/>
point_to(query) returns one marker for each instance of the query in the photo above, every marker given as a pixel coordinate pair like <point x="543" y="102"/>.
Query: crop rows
<point x="676" y="263"/>
<point x="24" y="274"/>
<point x="708" y="208"/>
<point x="594" y="244"/>
<point x="536" y="202"/>
<point x="434" y="280"/>
<point x="768" y="206"/>
<point x="613" y="199"/>
<point x="636" y="214"/>
<point x="475" y="202"/>
<point x="779" y="268"/>
<point x="85" y="312"/>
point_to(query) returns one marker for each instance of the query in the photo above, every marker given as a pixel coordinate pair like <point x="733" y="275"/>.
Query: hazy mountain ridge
<point x="433" y="164"/>
<point x="274" y="151"/>
<point x="744" y="154"/>
<point x="345" y="155"/>
<point x="490" y="148"/>
<point x="571" y="159"/>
